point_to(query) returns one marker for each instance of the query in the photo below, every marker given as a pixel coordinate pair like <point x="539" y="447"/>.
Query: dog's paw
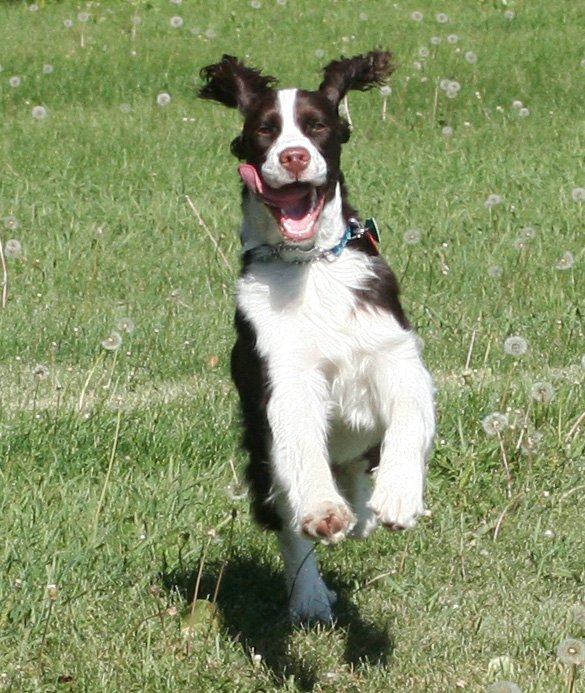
<point x="328" y="522"/>
<point x="316" y="604"/>
<point x="395" y="509"/>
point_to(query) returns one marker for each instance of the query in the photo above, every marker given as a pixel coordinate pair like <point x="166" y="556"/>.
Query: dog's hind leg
<point x="355" y="482"/>
<point x="309" y="597"/>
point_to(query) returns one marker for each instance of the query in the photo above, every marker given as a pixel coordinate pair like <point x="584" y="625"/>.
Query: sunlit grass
<point x="119" y="469"/>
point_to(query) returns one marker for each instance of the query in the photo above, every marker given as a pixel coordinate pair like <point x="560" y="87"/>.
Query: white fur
<point x="343" y="377"/>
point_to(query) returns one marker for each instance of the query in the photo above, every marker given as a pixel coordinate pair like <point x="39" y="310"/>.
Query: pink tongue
<point x="288" y="196"/>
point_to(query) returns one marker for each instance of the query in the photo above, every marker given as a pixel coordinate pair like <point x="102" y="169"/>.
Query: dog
<point x="337" y="405"/>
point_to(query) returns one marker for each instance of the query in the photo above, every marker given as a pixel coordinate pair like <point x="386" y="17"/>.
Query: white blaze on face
<point x="291" y="135"/>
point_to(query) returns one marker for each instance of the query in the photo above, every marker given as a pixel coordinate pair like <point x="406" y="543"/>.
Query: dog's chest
<point x="305" y="313"/>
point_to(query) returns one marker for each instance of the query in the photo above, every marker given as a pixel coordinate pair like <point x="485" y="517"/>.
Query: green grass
<point x="117" y="469"/>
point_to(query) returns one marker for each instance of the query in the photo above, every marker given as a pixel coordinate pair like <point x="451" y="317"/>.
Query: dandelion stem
<point x="575" y="426"/>
<point x="45" y="630"/>
<point x="573" y="678"/>
<point x="108" y="473"/>
<point x="505" y="463"/>
<point x="4" y="276"/>
<point x="435" y="104"/>
<point x="208" y="232"/>
<point x="470" y="350"/>
<point x="196" y="592"/>
<point x="87" y="380"/>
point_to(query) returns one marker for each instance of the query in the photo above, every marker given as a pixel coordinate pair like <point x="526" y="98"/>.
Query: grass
<point x="119" y="470"/>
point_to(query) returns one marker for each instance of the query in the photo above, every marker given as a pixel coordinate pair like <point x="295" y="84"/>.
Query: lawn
<point x="129" y="559"/>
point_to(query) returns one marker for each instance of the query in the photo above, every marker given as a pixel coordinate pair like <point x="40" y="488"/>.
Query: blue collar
<point x="293" y="254"/>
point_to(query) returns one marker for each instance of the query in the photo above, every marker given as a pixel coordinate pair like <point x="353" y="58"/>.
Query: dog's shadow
<point x="252" y="602"/>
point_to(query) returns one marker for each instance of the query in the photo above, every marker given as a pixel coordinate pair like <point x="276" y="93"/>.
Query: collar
<point x="292" y="254"/>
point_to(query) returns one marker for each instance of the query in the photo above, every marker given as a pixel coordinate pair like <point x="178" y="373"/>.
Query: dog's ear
<point x="234" y="84"/>
<point x="361" y="72"/>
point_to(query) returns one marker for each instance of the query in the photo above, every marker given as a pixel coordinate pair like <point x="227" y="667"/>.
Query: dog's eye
<point x="318" y="126"/>
<point x="264" y="129"/>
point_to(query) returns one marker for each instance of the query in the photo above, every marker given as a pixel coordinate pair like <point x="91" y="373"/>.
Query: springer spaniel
<point x="337" y="405"/>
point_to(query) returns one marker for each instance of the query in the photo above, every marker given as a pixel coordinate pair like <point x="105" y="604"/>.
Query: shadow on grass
<point x="253" y="604"/>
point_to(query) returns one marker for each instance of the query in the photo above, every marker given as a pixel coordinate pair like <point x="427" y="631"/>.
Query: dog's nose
<point x="295" y="159"/>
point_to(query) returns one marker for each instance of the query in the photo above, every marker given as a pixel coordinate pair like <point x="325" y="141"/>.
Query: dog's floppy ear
<point x="234" y="84"/>
<point x="361" y="72"/>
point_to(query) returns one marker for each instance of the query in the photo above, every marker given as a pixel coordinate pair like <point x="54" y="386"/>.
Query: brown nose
<point x="295" y="159"/>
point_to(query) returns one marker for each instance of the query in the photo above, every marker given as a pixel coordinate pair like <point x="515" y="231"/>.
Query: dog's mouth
<point x="296" y="206"/>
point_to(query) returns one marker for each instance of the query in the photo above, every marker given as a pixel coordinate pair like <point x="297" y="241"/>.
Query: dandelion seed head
<point x="363" y="16"/>
<point x="15" y="81"/>
<point x="423" y="52"/>
<point x="40" y="372"/>
<point x="566" y="262"/>
<point x="515" y="346"/>
<point x="504" y="687"/>
<point x="39" y="113"/>
<point x="509" y="14"/>
<point x="68" y="23"/>
<point x="319" y="53"/>
<point x="34" y="7"/>
<point x="495" y="271"/>
<point x="542" y="392"/>
<point x="176" y="2"/>
<point x="412" y="237"/>
<point x="452" y="39"/>
<point x="470" y="57"/>
<point x="517" y="104"/>
<point x="12" y="249"/>
<point x="125" y="325"/>
<point x="435" y="40"/>
<point x="531" y="442"/>
<point x="416" y="16"/>
<point x="11" y="223"/>
<point x="578" y="194"/>
<point x="523" y="112"/>
<point x="494" y="423"/>
<point x="83" y="17"/>
<point x="572" y="651"/>
<point x="442" y="18"/>
<point x="176" y="22"/>
<point x="48" y="69"/>
<point x="112" y="342"/>
<point x="528" y="233"/>
<point x="447" y="131"/>
<point x="236" y="491"/>
<point x="493" y="200"/>
<point x="385" y="90"/>
<point x="211" y="34"/>
<point x="520" y="243"/>
<point x="163" y="99"/>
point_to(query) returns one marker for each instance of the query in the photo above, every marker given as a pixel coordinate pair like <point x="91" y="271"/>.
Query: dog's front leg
<point x="304" y="489"/>
<point x="406" y="396"/>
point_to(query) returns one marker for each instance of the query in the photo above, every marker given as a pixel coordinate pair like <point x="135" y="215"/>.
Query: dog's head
<point x="291" y="139"/>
